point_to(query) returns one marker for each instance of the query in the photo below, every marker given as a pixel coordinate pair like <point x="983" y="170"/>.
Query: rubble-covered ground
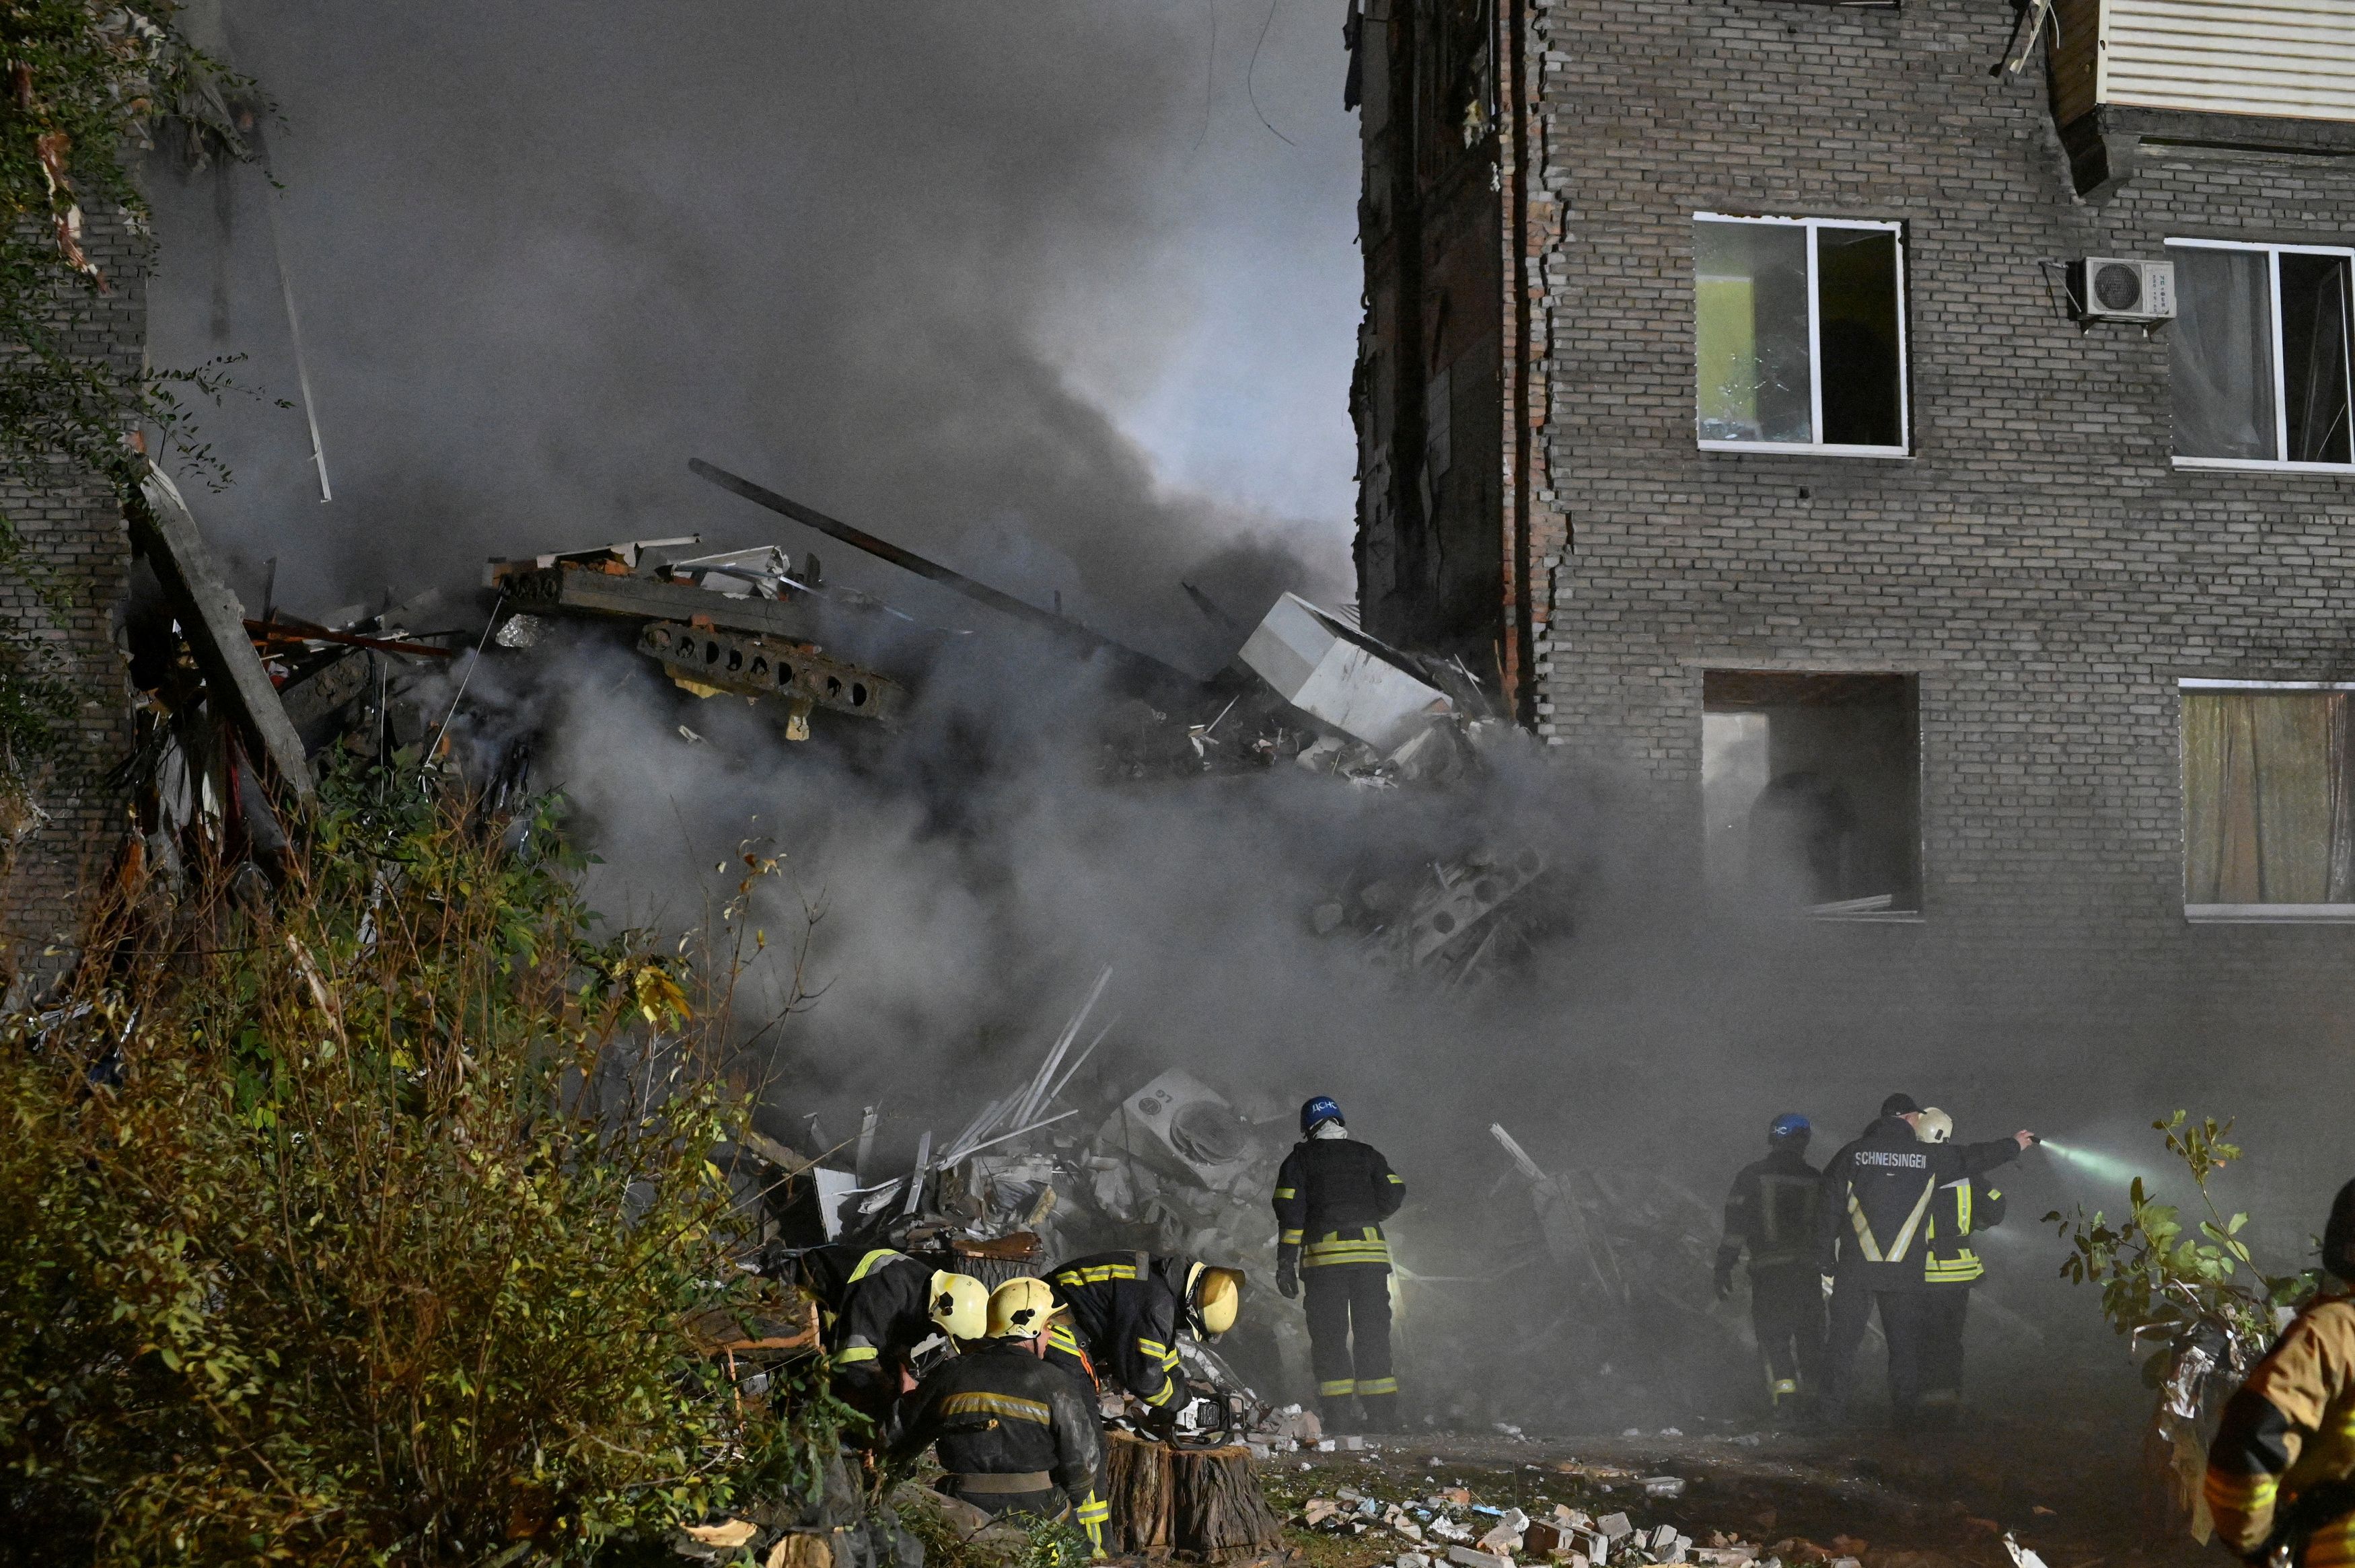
<point x="2065" y="1489"/>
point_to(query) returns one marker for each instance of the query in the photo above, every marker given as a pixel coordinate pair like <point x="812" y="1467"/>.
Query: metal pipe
<point x="1067" y="630"/>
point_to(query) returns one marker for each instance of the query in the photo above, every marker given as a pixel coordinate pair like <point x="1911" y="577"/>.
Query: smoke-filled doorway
<point x="1811" y="790"/>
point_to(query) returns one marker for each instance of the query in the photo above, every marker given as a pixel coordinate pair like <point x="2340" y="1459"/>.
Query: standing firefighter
<point x="1771" y="1214"/>
<point x="880" y="1305"/>
<point x="1950" y="1266"/>
<point x="2281" y="1473"/>
<point x="1016" y="1434"/>
<point x="1872" y="1239"/>
<point x="1127" y="1308"/>
<point x="1331" y="1198"/>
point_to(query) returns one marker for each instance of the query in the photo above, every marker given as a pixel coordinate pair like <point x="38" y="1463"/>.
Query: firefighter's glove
<point x="1724" y="1280"/>
<point x="1287" y="1281"/>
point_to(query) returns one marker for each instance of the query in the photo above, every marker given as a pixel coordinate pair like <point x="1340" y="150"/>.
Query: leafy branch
<point x="2170" y="1283"/>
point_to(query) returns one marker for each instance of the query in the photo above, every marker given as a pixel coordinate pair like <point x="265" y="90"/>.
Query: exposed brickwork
<point x="74" y="540"/>
<point x="2037" y="561"/>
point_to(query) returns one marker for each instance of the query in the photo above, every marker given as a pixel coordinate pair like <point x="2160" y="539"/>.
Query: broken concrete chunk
<point x="1473" y="1557"/>
<point x="1664" y="1486"/>
<point x="1614" y="1526"/>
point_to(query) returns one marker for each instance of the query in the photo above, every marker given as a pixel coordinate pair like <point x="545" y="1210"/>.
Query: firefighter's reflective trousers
<point x="1348" y="1309"/>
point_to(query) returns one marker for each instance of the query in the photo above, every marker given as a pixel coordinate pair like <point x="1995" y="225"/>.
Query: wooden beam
<point x="213" y="621"/>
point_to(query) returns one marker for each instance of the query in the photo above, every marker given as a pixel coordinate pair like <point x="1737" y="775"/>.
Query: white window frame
<point x="2280" y="390"/>
<point x="2256" y="914"/>
<point x="1904" y="448"/>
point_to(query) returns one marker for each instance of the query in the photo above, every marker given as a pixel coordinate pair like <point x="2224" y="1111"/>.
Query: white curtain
<point x="2224" y="354"/>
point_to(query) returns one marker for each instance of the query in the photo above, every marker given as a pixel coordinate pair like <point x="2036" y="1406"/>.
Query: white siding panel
<point x="2285" y="59"/>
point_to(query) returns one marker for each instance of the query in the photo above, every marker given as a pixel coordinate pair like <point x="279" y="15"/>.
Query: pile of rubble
<point x="238" y="712"/>
<point x="1447" y="1527"/>
<point x="1055" y="1169"/>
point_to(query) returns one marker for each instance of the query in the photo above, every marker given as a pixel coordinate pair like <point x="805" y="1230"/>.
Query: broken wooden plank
<point x="213" y="621"/>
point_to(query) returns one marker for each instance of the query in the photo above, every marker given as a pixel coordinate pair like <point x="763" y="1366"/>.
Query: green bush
<point x="358" y="1224"/>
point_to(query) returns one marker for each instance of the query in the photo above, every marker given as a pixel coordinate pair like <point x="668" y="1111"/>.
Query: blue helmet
<point x="1792" y="1127"/>
<point x="1317" y="1112"/>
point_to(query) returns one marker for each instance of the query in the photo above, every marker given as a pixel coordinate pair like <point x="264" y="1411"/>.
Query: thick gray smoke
<point x="1028" y="288"/>
<point x="997" y="281"/>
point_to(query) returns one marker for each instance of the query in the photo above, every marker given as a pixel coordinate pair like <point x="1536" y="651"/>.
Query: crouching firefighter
<point x="879" y="1308"/>
<point x="1126" y="1309"/>
<point x="1016" y="1434"/>
<point x="1950" y="1267"/>
<point x="2281" y="1473"/>
<point x="1771" y="1214"/>
<point x="1331" y="1198"/>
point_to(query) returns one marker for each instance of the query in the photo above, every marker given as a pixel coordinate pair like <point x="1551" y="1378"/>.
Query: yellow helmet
<point x="1214" y="1298"/>
<point x="1934" y="1126"/>
<point x="959" y="1303"/>
<point x="1021" y="1309"/>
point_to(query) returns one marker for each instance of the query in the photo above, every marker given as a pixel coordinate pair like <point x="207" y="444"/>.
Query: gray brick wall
<point x="2037" y="561"/>
<point x="73" y="539"/>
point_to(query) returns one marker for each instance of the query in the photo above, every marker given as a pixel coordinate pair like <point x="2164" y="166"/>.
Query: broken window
<point x="1799" y="337"/>
<point x="2261" y="352"/>
<point x="1811" y="791"/>
<point x="2268" y="797"/>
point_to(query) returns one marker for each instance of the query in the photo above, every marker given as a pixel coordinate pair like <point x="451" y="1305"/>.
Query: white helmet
<point x="1934" y="1126"/>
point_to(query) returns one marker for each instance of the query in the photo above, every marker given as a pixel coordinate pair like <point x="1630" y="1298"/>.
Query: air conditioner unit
<point x="2110" y="289"/>
<point x="1186" y="1128"/>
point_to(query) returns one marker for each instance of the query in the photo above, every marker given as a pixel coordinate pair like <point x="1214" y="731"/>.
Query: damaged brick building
<point x="1736" y="388"/>
<point x="66" y="597"/>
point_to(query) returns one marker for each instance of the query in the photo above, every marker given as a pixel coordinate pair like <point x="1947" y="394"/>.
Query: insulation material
<point x="1339" y="675"/>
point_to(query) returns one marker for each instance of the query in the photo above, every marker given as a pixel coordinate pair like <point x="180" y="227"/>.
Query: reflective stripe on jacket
<point x="1366" y="1243"/>
<point x="1879" y="1191"/>
<point x="1331" y="1197"/>
<point x="1126" y="1309"/>
<point x="1770" y="1211"/>
<point x="999" y="1411"/>
<point x="1961" y="1210"/>
<point x="877" y="1303"/>
<point x="2289" y="1434"/>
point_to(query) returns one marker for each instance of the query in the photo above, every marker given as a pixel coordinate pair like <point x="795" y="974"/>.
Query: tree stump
<point x="1140" y="1477"/>
<point x="1219" y="1512"/>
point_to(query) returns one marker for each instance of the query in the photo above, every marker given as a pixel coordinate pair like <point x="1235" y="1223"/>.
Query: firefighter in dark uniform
<point x="1950" y="1267"/>
<point x="1331" y="1198"/>
<point x="1016" y="1434"/>
<point x="1771" y="1214"/>
<point x="1870" y="1237"/>
<point x="2281" y="1471"/>
<point x="1125" y="1311"/>
<point x="879" y="1306"/>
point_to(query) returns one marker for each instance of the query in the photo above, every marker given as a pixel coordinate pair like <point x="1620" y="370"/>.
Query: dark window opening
<point x="2314" y="356"/>
<point x="1855" y="292"/>
<point x="1811" y="790"/>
